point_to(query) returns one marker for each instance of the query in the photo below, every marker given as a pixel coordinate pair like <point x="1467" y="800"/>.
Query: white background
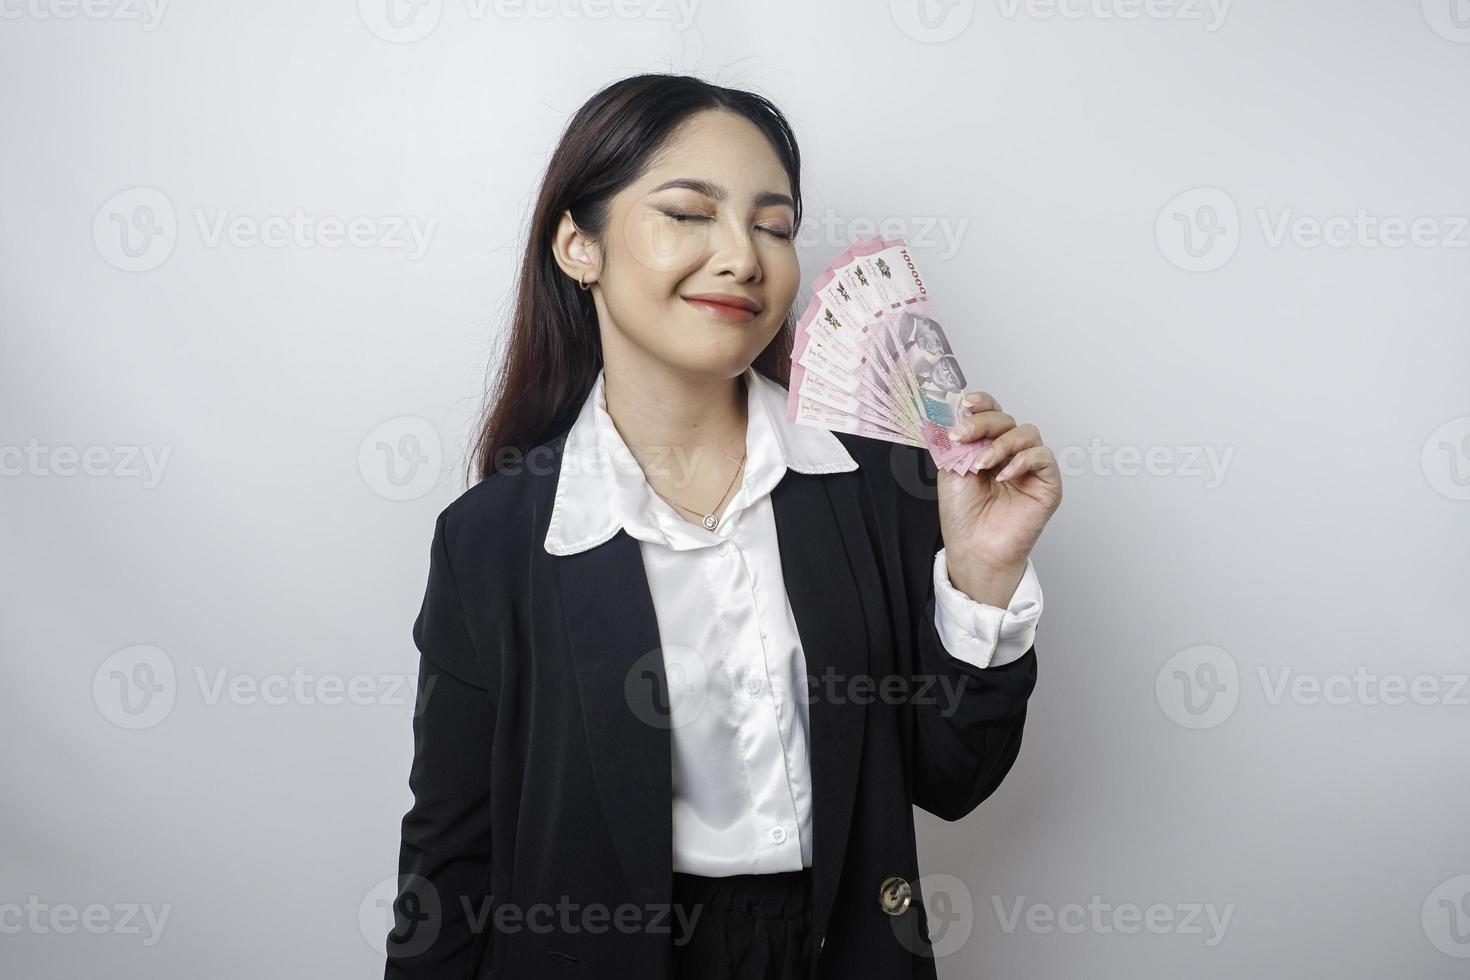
<point x="1045" y="162"/>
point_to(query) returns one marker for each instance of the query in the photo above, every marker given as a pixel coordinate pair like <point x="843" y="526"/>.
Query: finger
<point x="1034" y="459"/>
<point x="980" y="401"/>
<point x="1008" y="444"/>
<point x="972" y="427"/>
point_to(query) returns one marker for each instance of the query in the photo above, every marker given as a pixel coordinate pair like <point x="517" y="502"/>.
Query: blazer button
<point x="895" y="896"/>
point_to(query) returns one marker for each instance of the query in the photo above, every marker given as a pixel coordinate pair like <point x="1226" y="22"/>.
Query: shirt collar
<point x="601" y="488"/>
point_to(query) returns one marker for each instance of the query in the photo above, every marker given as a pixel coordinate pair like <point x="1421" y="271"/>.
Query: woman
<point x="687" y="666"/>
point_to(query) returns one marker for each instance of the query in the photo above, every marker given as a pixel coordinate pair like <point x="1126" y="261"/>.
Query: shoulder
<point x="898" y="476"/>
<point x="504" y="514"/>
<point x="899" y="484"/>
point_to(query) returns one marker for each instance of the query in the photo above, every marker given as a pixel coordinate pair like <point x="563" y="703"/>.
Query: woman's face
<point x="713" y="215"/>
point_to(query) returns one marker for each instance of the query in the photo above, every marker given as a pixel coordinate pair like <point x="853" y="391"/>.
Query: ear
<point x="578" y="255"/>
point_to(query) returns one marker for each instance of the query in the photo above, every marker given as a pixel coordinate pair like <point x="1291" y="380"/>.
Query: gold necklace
<point x="710" y="521"/>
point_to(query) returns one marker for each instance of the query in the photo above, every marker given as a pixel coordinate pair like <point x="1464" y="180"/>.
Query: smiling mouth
<point x="721" y="311"/>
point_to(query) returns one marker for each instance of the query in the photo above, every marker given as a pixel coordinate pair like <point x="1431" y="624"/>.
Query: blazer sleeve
<point x="967" y="734"/>
<point x="441" y="921"/>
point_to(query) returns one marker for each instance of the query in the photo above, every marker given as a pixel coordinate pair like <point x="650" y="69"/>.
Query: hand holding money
<point x="871" y="358"/>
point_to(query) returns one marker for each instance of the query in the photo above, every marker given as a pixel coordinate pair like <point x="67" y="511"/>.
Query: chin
<point x="717" y="364"/>
<point x="720" y="350"/>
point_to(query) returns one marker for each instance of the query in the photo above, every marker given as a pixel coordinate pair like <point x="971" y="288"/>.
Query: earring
<point x="583" y="276"/>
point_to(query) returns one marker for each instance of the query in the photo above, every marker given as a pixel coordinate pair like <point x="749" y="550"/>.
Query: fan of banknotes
<point x="870" y="357"/>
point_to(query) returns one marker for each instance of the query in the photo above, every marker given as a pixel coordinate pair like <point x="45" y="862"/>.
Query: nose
<point x="734" y="253"/>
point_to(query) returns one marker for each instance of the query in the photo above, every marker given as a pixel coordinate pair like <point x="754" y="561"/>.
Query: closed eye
<point x="686" y="216"/>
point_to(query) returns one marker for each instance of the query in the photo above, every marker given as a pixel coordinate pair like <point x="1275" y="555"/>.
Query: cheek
<point x="783" y="275"/>
<point x="657" y="246"/>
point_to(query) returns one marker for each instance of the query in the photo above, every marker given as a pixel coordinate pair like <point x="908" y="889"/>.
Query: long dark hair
<point x="555" y="351"/>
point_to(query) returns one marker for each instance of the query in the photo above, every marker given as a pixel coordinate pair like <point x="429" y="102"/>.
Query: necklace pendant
<point x="711" y="521"/>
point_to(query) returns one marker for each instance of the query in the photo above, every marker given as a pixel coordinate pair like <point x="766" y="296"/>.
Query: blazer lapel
<point x="820" y="528"/>
<point x="625" y="706"/>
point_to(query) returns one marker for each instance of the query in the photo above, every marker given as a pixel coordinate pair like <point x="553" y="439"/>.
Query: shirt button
<point x="778" y="834"/>
<point x="753" y="685"/>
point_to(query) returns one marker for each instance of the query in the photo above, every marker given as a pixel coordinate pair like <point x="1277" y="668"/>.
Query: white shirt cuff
<point x="979" y="633"/>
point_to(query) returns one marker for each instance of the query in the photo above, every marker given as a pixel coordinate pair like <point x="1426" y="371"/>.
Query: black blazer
<point x="541" y="775"/>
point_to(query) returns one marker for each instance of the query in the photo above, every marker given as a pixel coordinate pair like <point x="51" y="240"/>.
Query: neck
<point x="657" y="409"/>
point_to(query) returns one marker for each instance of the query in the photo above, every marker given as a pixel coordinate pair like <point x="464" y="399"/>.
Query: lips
<point x="724" y="306"/>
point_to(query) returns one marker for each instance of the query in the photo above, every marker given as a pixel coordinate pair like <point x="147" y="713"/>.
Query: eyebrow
<point x="718" y="193"/>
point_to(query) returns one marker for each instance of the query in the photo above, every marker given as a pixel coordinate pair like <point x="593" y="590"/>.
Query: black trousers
<point x="749" y="927"/>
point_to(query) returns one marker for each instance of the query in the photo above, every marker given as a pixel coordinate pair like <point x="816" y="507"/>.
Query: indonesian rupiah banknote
<point x="871" y="358"/>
